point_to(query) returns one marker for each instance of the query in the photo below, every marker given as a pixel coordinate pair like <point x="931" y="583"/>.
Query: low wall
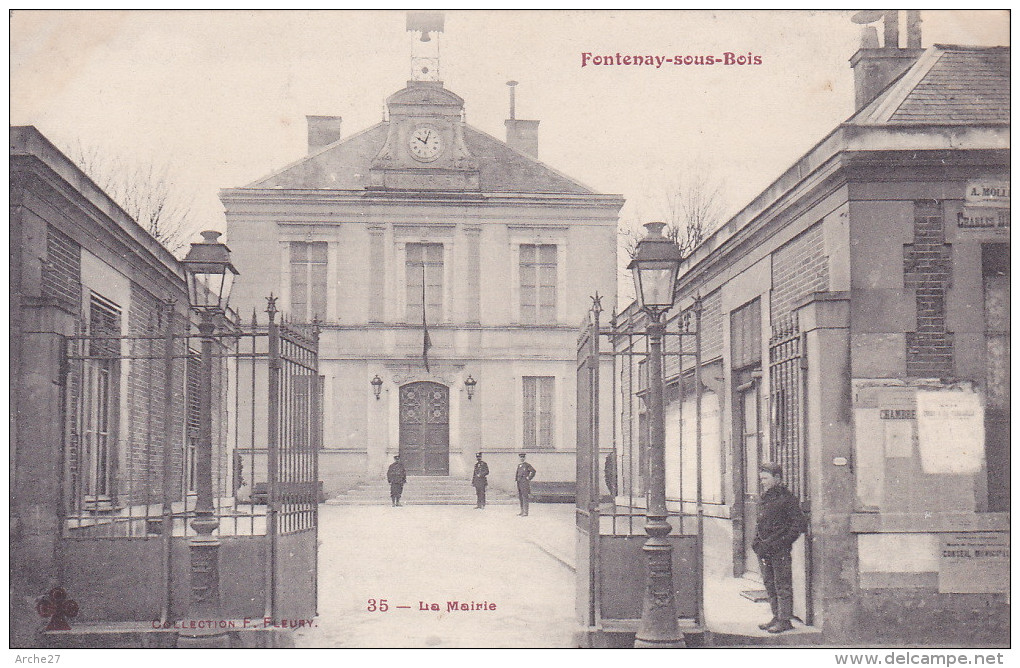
<point x="942" y="588"/>
<point x="121" y="579"/>
<point x="622" y="594"/>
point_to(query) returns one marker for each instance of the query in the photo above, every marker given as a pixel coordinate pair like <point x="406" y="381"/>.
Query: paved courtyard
<point x="514" y="574"/>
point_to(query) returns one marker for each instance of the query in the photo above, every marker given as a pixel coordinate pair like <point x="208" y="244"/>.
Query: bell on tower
<point x="425" y="49"/>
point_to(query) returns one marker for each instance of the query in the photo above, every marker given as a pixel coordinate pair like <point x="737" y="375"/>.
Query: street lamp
<point x="469" y="385"/>
<point x="655" y="265"/>
<point x="210" y="277"/>
<point x="377" y="386"/>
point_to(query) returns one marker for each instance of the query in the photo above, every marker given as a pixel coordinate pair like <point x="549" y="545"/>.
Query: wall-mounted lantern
<point x="469" y="385"/>
<point x="377" y="386"/>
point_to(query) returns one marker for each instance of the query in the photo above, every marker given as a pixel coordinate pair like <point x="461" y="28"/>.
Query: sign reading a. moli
<point x="986" y="205"/>
<point x="988" y="193"/>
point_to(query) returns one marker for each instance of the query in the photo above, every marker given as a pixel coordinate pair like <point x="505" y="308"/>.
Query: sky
<point x="221" y="96"/>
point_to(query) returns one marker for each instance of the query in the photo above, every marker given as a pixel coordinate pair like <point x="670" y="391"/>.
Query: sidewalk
<point x="731" y="618"/>
<point x="416" y="557"/>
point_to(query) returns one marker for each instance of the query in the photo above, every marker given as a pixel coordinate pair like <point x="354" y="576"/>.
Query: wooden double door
<point x="425" y="428"/>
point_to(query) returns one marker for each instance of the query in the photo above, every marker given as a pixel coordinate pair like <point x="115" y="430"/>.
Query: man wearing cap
<point x="479" y="480"/>
<point x="396" y="475"/>
<point x="780" y="522"/>
<point x="525" y="474"/>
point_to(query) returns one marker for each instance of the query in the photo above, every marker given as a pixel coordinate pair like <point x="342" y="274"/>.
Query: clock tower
<point x="424" y="147"/>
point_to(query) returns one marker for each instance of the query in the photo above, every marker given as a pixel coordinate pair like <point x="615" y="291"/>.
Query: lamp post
<point x="655" y="265"/>
<point x="469" y="385"/>
<point x="210" y="277"/>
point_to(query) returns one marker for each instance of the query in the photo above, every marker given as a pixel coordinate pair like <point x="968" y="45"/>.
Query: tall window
<point x="538" y="412"/>
<point x="429" y="256"/>
<point x="308" y="280"/>
<point x="101" y="398"/>
<point x="745" y="335"/>
<point x="538" y="284"/>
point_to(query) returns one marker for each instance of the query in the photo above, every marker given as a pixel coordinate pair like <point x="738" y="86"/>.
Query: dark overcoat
<point x="780" y="521"/>
<point x="479" y="477"/>
<point x="396" y="474"/>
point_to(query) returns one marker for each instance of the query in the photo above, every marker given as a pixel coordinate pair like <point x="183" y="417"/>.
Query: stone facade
<point x="512" y="250"/>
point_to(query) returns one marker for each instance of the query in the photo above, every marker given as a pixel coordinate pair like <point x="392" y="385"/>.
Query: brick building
<point x="98" y="446"/>
<point x="855" y="329"/>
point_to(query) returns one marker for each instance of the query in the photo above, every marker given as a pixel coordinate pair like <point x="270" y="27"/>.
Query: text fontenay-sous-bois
<point x="624" y="60"/>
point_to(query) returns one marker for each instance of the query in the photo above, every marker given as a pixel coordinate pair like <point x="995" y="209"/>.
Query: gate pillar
<point x="36" y="455"/>
<point x="825" y="323"/>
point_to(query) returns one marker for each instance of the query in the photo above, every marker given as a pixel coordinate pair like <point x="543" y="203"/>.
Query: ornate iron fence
<point x="130" y="429"/>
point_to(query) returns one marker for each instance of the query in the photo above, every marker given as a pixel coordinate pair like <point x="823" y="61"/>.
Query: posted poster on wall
<point x="951" y="431"/>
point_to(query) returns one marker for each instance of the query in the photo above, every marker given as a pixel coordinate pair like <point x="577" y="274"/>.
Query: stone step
<point x="421" y="490"/>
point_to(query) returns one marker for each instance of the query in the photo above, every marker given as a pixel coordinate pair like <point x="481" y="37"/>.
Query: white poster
<point x="951" y="431"/>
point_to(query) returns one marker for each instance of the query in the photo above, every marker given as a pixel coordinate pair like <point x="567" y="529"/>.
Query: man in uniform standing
<point x="396" y="475"/>
<point x="525" y="474"/>
<point x="479" y="480"/>
<point x="780" y="522"/>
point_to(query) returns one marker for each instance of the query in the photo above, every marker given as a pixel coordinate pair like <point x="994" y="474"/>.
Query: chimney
<point x="322" y="131"/>
<point x="913" y="29"/>
<point x="520" y="135"/>
<point x="876" y="67"/>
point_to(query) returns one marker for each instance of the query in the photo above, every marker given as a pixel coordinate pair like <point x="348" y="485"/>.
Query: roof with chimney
<point x="961" y="92"/>
<point x="947" y="85"/>
<point x="345" y="164"/>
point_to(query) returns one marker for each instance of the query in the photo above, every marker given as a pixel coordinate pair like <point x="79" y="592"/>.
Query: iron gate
<point x="612" y="466"/>
<point x="127" y="469"/>
<point x="787" y="366"/>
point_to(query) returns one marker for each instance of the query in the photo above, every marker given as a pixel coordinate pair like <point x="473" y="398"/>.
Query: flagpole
<point x="426" y="343"/>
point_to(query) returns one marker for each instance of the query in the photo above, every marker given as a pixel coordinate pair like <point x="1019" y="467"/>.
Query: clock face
<point x="425" y="143"/>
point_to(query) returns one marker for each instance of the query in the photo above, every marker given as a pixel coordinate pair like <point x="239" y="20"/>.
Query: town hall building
<point x="447" y="272"/>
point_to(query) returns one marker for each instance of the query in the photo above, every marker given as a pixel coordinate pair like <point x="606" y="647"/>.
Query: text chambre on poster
<point x="657" y="61"/>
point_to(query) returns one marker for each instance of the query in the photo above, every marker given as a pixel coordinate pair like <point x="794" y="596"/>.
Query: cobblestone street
<point x="520" y="568"/>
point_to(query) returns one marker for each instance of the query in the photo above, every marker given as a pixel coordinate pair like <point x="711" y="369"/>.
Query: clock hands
<point x="430" y="146"/>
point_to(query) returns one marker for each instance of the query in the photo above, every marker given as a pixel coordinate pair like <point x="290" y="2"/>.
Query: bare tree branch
<point x="144" y="189"/>
<point x="691" y="208"/>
